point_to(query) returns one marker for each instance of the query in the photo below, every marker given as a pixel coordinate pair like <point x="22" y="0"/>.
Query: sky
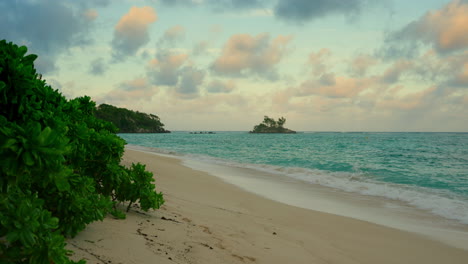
<point x="324" y="65"/>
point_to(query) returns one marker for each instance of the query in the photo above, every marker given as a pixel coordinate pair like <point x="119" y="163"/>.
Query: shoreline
<point x="296" y="192"/>
<point x="377" y="210"/>
<point x="206" y="220"/>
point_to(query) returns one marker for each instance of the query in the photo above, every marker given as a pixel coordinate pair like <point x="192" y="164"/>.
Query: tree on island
<point x="269" y="125"/>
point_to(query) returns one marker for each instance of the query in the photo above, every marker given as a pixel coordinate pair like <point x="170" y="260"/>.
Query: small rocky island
<point x="269" y="125"/>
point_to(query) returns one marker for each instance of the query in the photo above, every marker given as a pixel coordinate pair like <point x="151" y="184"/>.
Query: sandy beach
<point x="206" y="220"/>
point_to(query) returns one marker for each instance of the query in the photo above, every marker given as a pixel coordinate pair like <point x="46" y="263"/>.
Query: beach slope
<point x="206" y="220"/>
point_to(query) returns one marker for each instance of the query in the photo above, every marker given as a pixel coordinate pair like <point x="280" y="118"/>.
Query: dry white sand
<point x="206" y="220"/>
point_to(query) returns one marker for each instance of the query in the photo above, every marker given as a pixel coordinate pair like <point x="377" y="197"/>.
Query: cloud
<point x="136" y="90"/>
<point x="329" y="85"/>
<point x="131" y="32"/>
<point x="446" y="70"/>
<point x="304" y="10"/>
<point x="217" y="86"/>
<point x="171" y="36"/>
<point x="180" y="2"/>
<point x="244" y="53"/>
<point x="393" y="74"/>
<point x="200" y="48"/>
<point x="462" y="77"/>
<point x="190" y="80"/>
<point x="408" y="102"/>
<point x="91" y="14"/>
<point x="318" y="61"/>
<point x="445" y="30"/>
<point x="218" y="5"/>
<point x="361" y="64"/>
<point x="236" y="4"/>
<point x="174" y="70"/>
<point x="456" y="70"/>
<point x="327" y="79"/>
<point x="166" y="68"/>
<point x="97" y="67"/>
<point x="66" y="26"/>
<point x="136" y="84"/>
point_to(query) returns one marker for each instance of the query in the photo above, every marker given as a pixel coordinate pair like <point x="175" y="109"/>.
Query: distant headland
<point x="128" y="121"/>
<point x="269" y="125"/>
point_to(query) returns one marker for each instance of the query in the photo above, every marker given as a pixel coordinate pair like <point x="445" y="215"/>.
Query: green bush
<point x="59" y="165"/>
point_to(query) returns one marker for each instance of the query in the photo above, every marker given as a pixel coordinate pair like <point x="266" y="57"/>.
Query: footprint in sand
<point x="206" y="229"/>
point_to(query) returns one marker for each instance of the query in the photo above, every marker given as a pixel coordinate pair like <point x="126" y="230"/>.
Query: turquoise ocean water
<point x="426" y="170"/>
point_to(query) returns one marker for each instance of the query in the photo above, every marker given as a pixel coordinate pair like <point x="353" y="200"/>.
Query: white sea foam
<point x="342" y="194"/>
<point x="440" y="203"/>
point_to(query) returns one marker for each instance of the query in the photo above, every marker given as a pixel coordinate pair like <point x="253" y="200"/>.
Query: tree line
<point x="128" y="121"/>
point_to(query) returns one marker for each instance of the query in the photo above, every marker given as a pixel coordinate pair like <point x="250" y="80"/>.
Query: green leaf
<point x="30" y="58"/>
<point x="13" y="236"/>
<point x="28" y="159"/>
<point x="44" y="136"/>
<point x="27" y="238"/>
<point x="21" y="51"/>
<point x="62" y="183"/>
<point x="8" y="143"/>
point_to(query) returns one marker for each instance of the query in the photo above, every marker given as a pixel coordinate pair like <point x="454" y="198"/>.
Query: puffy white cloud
<point x="175" y="71"/>
<point x="244" y="53"/>
<point x="166" y="68"/>
<point x="445" y="30"/>
<point x="131" y="32"/>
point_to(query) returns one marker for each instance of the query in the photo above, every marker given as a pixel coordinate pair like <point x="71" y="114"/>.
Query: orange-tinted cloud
<point x="136" y="90"/>
<point x="176" y="71"/>
<point x="448" y="26"/>
<point x="463" y="76"/>
<point x="175" y="32"/>
<point x="91" y="14"/>
<point x="131" y="32"/>
<point x="446" y="30"/>
<point x="244" y="53"/>
<point x="318" y="61"/>
<point x="360" y="64"/>
<point x="393" y="74"/>
<point x="171" y="36"/>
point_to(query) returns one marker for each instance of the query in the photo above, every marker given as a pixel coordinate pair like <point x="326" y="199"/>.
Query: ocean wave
<point x="439" y="202"/>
